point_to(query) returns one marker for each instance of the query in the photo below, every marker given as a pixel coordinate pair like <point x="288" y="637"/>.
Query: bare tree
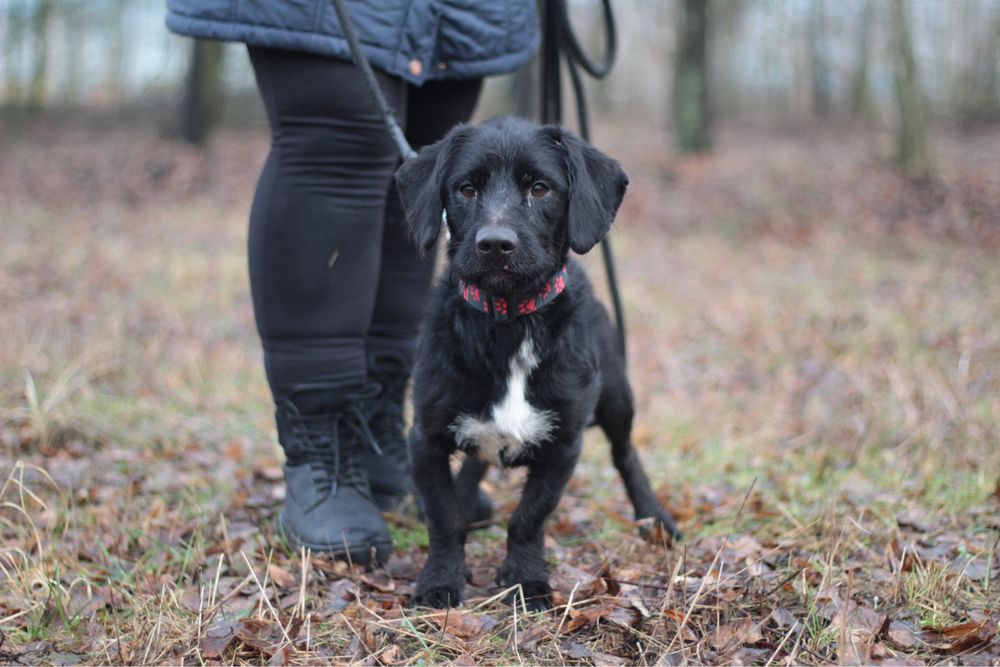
<point x="913" y="152"/>
<point x="862" y="104"/>
<point x="820" y="69"/>
<point x="39" y="74"/>
<point x="692" y="114"/>
<point x="117" y="54"/>
<point x="978" y="89"/>
<point x="203" y="93"/>
<point x="12" y="43"/>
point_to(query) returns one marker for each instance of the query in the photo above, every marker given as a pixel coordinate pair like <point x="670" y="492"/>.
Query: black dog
<point x="517" y="354"/>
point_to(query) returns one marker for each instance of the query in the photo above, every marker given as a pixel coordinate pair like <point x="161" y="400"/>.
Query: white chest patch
<point x="514" y="424"/>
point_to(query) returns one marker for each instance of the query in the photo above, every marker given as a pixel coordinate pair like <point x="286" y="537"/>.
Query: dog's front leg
<point x="442" y="581"/>
<point x="525" y="562"/>
<point x="467" y="487"/>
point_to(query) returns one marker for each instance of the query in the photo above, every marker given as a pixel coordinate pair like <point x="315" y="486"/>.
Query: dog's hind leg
<point x="525" y="562"/>
<point x="442" y="581"/>
<point x="614" y="414"/>
<point x="474" y="506"/>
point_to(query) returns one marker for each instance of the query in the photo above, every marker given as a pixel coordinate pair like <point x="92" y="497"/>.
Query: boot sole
<point x="357" y="554"/>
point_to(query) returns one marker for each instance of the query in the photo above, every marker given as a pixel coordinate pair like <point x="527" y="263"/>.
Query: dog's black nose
<point x="496" y="241"/>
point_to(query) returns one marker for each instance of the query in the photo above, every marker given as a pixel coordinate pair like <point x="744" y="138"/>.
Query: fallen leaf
<point x="857" y="617"/>
<point x="282" y="656"/>
<point x="902" y="635"/>
<point x="606" y="659"/>
<point x="671" y="659"/>
<point x="267" y="636"/>
<point x="369" y="634"/>
<point x="257" y="634"/>
<point x="191" y="599"/>
<point x="217" y="639"/>
<point x="338" y="568"/>
<point x="380" y="581"/>
<point x="290" y="600"/>
<point x="901" y="661"/>
<point x="464" y="626"/>
<point x="915" y="519"/>
<point x="342" y="593"/>
<point x="233" y="450"/>
<point x="961" y="637"/>
<point x="627" y="617"/>
<point x="574" y="650"/>
<point x="280" y="576"/>
<point x="749" y="656"/>
<point x="623" y="616"/>
<point x="529" y="638"/>
<point x="731" y="635"/>
<point x="565" y="578"/>
<point x="392" y="655"/>
<point x="674" y="614"/>
<point x="783" y="618"/>
<point x="901" y="556"/>
<point x="959" y="631"/>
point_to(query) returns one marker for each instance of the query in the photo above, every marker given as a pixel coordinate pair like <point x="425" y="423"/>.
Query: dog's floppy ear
<point x="422" y="189"/>
<point x="596" y="187"/>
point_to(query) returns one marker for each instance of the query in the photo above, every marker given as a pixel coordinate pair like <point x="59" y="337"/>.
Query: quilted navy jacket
<point x="413" y="39"/>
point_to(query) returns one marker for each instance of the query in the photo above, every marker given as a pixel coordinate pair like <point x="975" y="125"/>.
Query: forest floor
<point x="815" y="348"/>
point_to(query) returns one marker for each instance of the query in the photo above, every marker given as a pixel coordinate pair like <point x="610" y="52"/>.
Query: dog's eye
<point x="468" y="190"/>
<point x="539" y="189"/>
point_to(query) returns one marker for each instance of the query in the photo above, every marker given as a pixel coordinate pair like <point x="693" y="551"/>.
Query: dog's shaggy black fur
<point x="517" y="197"/>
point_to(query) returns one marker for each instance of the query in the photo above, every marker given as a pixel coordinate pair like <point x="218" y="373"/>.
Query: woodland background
<point x="808" y="256"/>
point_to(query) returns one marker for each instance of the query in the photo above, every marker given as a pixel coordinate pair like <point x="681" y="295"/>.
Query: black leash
<point x="558" y="41"/>
<point x="361" y="62"/>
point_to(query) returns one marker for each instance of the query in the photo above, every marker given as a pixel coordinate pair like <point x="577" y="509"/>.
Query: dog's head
<point x="516" y="197"/>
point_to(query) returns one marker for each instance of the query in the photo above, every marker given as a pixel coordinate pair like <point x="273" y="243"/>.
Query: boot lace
<point x="387" y="410"/>
<point x="330" y="443"/>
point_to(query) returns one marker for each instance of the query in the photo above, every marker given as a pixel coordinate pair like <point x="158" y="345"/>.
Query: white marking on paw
<point x="515" y="423"/>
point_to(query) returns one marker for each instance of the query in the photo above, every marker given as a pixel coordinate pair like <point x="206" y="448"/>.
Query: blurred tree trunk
<point x="203" y="92"/>
<point x="819" y="68"/>
<point x="12" y="42"/>
<point x="862" y="104"/>
<point x="116" y="59"/>
<point x="39" y="74"/>
<point x="524" y="89"/>
<point x="692" y="115"/>
<point x="978" y="94"/>
<point x="77" y="26"/>
<point x="913" y="153"/>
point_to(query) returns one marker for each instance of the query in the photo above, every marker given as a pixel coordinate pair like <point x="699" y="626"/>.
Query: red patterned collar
<point x="503" y="310"/>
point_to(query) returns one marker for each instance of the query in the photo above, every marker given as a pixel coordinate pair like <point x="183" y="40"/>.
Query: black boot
<point x="389" y="475"/>
<point x="329" y="505"/>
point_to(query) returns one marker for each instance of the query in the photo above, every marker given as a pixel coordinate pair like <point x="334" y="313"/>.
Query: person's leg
<point x="403" y="285"/>
<point x="405" y="277"/>
<point x="314" y="249"/>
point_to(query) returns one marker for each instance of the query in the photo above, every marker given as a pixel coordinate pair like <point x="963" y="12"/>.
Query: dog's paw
<point x="660" y="528"/>
<point x="439" y="595"/>
<point x="536" y="592"/>
<point x="537" y="596"/>
<point x="666" y="522"/>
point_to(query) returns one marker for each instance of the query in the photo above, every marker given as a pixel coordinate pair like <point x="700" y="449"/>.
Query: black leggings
<point x="334" y="278"/>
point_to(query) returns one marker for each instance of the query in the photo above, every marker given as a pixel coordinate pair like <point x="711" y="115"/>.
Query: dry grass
<point x="818" y="374"/>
